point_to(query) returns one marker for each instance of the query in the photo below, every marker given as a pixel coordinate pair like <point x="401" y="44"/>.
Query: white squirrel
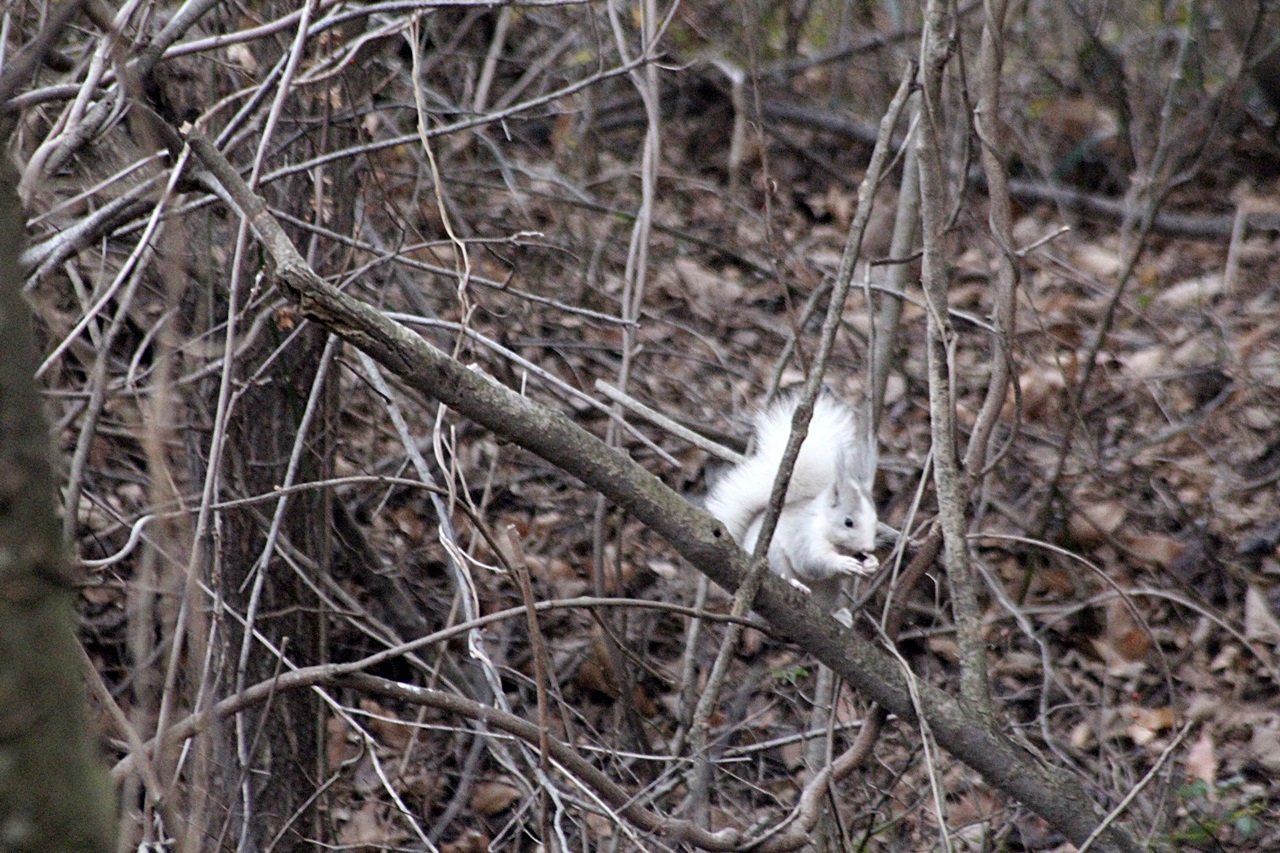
<point x="827" y="527"/>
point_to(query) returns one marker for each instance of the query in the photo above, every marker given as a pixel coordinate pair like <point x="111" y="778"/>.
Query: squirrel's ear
<point x="838" y="486"/>
<point x="840" y="481"/>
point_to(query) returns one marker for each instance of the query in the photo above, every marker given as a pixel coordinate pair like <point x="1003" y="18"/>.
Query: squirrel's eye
<point x="848" y="522"/>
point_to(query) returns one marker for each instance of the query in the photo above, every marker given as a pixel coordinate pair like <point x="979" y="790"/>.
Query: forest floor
<point x="1132" y="611"/>
<point x="1124" y="534"/>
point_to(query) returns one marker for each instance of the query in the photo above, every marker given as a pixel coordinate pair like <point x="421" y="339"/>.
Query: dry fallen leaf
<point x="366" y="830"/>
<point x="386" y="726"/>
<point x="1082" y="736"/>
<point x="708" y="292"/>
<point x="340" y="747"/>
<point x="642" y="701"/>
<point x="1157" y="549"/>
<point x="1202" y="761"/>
<point x="1099" y="261"/>
<point x="1264" y="746"/>
<point x="471" y="841"/>
<point x="1259" y="622"/>
<point x="1124" y="645"/>
<point x="792" y="755"/>
<point x="1192" y="293"/>
<point x="490" y="798"/>
<point x="1093" y="522"/>
<point x="1148" y="723"/>
<point x="1133" y="645"/>
<point x="1147" y="362"/>
<point x="242" y="58"/>
<point x="595" y="674"/>
<point x="664" y="569"/>
<point x="601" y="826"/>
<point x="1041" y="388"/>
<point x="751" y="643"/>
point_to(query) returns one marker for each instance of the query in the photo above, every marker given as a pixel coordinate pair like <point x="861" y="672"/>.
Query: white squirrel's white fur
<point x="827" y="527"/>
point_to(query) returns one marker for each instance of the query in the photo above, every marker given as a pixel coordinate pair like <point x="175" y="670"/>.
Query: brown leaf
<point x="1083" y="736"/>
<point x="642" y="701"/>
<point x="1155" y="548"/>
<point x="751" y="643"/>
<point x="1133" y="645"/>
<point x="490" y="798"/>
<point x="708" y="292"/>
<point x="945" y="647"/>
<point x="1057" y="580"/>
<point x="1041" y="388"/>
<point x="339" y="746"/>
<point x="840" y="204"/>
<point x="1202" y="761"/>
<point x="664" y="569"/>
<point x="386" y="726"/>
<point x="1260" y="623"/>
<point x="1124" y="645"/>
<point x="471" y="841"/>
<point x="596" y="672"/>
<point x="366" y="830"/>
<point x="792" y="755"/>
<point x="1148" y="723"/>
<point x="1264" y="746"/>
<point x="601" y="826"/>
<point x="1091" y="524"/>
<point x="286" y="317"/>
<point x="1146" y="362"/>
<point x="410" y="522"/>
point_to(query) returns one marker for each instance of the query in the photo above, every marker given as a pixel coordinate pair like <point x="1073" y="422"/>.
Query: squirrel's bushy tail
<point x="743" y="492"/>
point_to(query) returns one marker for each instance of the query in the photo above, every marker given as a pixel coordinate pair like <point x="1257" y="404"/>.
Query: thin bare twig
<point x="745" y="595"/>
<point x="1057" y="796"/>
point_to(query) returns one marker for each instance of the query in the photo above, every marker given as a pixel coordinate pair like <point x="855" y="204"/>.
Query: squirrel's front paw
<point x="859" y="564"/>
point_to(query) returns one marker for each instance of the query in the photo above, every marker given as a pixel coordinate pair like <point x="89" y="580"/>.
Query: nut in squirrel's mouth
<point x="868" y="560"/>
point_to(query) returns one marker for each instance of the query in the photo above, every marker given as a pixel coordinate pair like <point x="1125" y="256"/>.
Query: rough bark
<point x="54" y="793"/>
<point x="283" y="767"/>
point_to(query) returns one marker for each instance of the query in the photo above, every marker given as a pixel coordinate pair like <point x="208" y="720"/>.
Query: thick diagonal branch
<point x="1053" y="794"/>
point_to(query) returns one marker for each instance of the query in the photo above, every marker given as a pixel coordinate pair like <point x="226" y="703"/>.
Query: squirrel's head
<point x="852" y="521"/>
